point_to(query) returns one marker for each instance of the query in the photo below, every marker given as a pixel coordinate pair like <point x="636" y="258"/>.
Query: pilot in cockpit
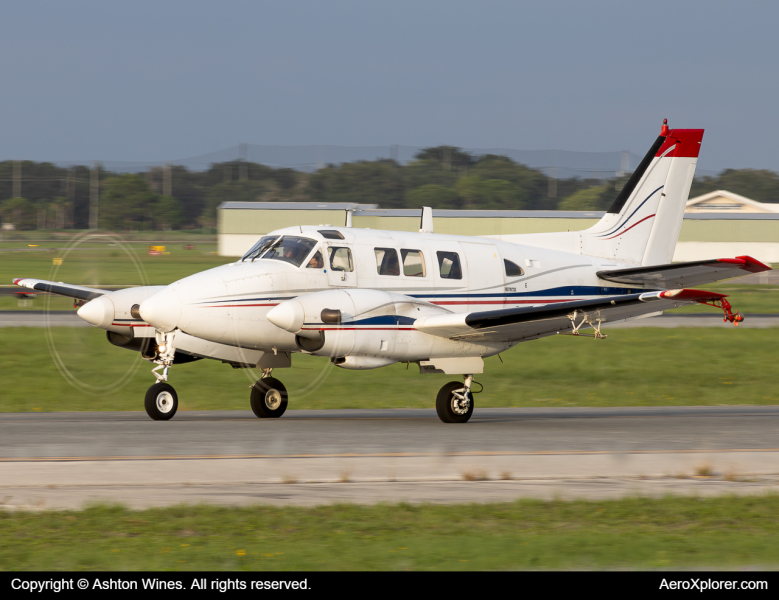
<point x="316" y="261"/>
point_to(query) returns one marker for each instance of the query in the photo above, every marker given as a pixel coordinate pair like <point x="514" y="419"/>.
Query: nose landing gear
<point x="161" y="400"/>
<point x="268" y="397"/>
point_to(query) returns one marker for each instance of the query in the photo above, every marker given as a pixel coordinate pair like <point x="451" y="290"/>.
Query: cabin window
<point x="449" y="265"/>
<point x="387" y="261"/>
<point x="341" y="259"/>
<point x="316" y="261"/>
<point x="290" y="249"/>
<point x="512" y="269"/>
<point x="413" y="263"/>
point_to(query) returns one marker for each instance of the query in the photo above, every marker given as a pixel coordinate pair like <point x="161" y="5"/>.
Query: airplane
<point x="369" y="298"/>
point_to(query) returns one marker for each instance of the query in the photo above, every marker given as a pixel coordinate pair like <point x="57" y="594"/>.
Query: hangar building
<point x="704" y="234"/>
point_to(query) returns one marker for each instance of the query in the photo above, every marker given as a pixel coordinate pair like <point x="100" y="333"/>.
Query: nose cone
<point x="288" y="315"/>
<point x="99" y="312"/>
<point x="162" y="310"/>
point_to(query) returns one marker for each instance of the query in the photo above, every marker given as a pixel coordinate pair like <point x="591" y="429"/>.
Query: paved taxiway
<point x="62" y="460"/>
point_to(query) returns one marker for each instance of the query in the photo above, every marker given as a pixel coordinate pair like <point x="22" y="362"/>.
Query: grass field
<point x="109" y="265"/>
<point x="668" y="533"/>
<point x="633" y="367"/>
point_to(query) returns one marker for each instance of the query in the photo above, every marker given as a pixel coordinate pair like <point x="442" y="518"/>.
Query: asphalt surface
<point x="63" y="460"/>
<point x="415" y="431"/>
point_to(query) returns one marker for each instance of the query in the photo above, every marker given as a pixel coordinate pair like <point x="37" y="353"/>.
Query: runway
<point x="64" y="460"/>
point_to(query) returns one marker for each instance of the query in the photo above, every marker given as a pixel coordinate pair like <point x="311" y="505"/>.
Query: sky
<point x="167" y="79"/>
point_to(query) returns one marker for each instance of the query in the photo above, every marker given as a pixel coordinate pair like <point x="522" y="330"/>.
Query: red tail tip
<point x="664" y="128"/>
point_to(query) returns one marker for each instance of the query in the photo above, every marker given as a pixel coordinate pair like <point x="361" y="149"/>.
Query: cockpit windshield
<point x="288" y="248"/>
<point x="260" y="247"/>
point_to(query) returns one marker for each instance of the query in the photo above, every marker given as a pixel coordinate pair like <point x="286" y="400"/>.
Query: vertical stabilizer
<point x="642" y="225"/>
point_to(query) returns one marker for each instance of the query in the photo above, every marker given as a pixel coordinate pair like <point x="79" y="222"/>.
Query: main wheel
<point x="269" y="398"/>
<point x="450" y="408"/>
<point x="161" y="401"/>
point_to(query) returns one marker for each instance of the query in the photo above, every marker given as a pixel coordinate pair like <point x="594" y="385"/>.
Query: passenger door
<point x="486" y="283"/>
<point x="340" y="266"/>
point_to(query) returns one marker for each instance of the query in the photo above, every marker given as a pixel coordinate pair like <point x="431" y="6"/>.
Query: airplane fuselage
<point x="441" y="273"/>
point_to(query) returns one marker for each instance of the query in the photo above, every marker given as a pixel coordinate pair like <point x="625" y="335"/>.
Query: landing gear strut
<point x="454" y="403"/>
<point x="162" y="401"/>
<point x="269" y="397"/>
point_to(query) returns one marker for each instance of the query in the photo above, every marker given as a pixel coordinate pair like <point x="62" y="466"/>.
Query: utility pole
<point x="552" y="192"/>
<point x="17" y="192"/>
<point x="624" y="163"/>
<point x="167" y="183"/>
<point x="93" y="191"/>
<point x="244" y="167"/>
<point x="71" y="195"/>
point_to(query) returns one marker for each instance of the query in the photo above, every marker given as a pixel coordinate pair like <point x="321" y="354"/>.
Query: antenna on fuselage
<point x="426" y="223"/>
<point x="348" y="222"/>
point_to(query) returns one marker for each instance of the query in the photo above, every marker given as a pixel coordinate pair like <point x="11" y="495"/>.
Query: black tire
<point x="269" y="398"/>
<point x="161" y="402"/>
<point x="444" y="404"/>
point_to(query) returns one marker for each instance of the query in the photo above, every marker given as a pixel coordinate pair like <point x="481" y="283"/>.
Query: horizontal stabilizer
<point x="63" y="289"/>
<point x="685" y="274"/>
<point x="526" y="323"/>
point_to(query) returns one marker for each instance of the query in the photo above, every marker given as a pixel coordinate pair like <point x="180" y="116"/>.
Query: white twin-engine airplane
<point x="368" y="299"/>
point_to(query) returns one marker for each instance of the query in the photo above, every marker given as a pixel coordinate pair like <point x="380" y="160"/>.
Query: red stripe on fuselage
<point x="358" y="329"/>
<point x="239" y="305"/>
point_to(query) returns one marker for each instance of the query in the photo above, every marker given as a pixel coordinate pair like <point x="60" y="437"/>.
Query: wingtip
<point x="17" y="280"/>
<point x="754" y="265"/>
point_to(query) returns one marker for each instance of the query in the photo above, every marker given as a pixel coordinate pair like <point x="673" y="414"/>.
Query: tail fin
<point x="642" y="225"/>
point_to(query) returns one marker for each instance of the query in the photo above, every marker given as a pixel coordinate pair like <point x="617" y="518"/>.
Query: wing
<point x="685" y="274"/>
<point x="518" y="324"/>
<point x="63" y="289"/>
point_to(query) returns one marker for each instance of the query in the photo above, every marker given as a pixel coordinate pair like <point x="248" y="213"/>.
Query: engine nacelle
<point x="129" y="342"/>
<point x="353" y="322"/>
<point x="115" y="311"/>
<point x="362" y="363"/>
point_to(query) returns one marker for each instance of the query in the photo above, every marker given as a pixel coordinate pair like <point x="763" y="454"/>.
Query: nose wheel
<point x="269" y="398"/>
<point x="161" y="401"/>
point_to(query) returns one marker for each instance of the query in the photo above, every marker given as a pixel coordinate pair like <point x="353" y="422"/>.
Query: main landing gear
<point x="454" y="403"/>
<point x="269" y="397"/>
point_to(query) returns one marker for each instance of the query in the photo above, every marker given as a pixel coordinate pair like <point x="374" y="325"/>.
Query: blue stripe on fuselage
<point x="561" y="292"/>
<point x="573" y="290"/>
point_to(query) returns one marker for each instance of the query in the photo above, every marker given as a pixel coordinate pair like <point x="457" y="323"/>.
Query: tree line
<point x="43" y="195"/>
